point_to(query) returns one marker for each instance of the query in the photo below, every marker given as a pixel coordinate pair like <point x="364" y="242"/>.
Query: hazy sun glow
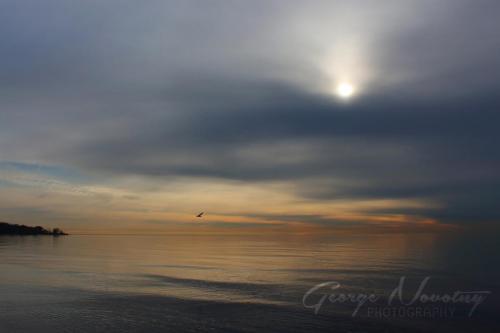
<point x="345" y="90"/>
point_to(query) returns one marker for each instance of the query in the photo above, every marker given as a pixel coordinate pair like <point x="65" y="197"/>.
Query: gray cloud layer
<point x="231" y="90"/>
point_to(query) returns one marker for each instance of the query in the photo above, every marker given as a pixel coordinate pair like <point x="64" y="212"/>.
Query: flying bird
<point x="200" y="215"/>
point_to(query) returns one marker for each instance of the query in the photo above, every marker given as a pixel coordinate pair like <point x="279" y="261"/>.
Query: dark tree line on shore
<point x="16" y="229"/>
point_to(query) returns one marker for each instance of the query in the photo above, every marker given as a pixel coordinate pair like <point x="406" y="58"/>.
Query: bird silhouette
<point x="200" y="215"/>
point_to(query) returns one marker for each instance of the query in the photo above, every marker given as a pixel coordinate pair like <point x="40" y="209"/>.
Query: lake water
<point x="84" y="283"/>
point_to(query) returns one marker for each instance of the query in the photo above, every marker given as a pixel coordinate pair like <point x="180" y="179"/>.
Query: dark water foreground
<point x="246" y="284"/>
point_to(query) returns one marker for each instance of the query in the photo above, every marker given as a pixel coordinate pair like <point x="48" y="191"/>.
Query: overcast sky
<point x="139" y="114"/>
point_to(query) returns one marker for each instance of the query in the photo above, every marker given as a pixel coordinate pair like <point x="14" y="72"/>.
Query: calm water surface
<point x="243" y="284"/>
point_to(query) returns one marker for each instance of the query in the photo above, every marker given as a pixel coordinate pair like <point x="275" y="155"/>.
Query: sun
<point x="345" y="90"/>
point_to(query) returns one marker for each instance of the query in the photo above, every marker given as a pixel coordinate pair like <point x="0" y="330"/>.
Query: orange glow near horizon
<point x="231" y="207"/>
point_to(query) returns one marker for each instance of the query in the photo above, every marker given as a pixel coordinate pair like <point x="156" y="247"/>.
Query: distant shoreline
<point x="23" y="230"/>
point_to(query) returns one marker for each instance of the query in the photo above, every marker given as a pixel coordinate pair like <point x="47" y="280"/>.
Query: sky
<point x="135" y="116"/>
